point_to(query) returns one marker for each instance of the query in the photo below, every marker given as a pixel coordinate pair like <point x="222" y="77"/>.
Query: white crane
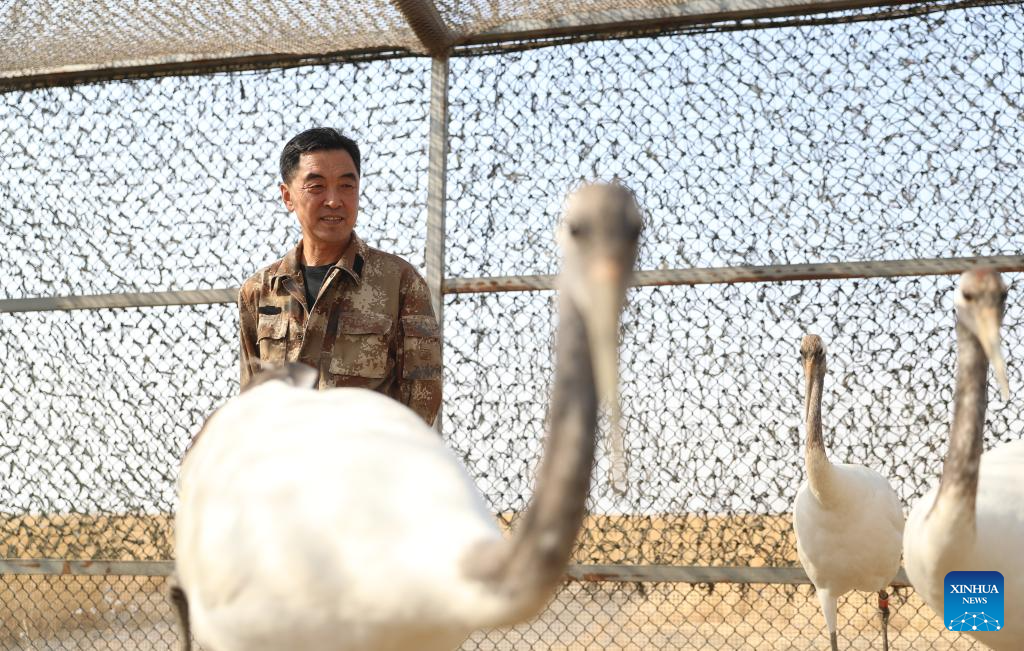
<point x="847" y="518"/>
<point x="339" y="521"/>
<point x="974" y="519"/>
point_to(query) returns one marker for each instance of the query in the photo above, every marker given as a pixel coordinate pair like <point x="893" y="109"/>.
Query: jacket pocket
<point x="272" y="338"/>
<point x="361" y="348"/>
<point x="421" y="348"/>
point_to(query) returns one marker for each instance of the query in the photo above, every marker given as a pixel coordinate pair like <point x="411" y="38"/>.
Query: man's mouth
<point x="332" y="219"/>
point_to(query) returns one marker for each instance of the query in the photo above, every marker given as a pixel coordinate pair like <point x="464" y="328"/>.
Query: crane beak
<point x="988" y="322"/>
<point x="808" y="380"/>
<point x="608" y="279"/>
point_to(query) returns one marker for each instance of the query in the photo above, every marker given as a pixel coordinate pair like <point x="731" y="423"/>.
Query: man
<point x="360" y="316"/>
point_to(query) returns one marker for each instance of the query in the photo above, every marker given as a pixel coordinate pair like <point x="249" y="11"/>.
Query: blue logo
<point x="973" y="601"/>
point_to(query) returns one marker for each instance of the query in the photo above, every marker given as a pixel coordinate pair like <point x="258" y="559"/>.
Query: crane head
<point x="980" y="301"/>
<point x="599" y="236"/>
<point x="812" y="352"/>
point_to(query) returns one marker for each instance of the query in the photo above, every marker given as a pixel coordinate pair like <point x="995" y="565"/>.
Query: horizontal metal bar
<point x="518" y="34"/>
<point x="664" y="17"/>
<point x="755" y="274"/>
<point x="175" y="66"/>
<point x="697" y="17"/>
<point x="489" y="284"/>
<point x="585" y="573"/>
<point x="652" y="278"/>
<point x="58" y="566"/>
<point x="682" y="574"/>
<point x="668" y="21"/>
<point x="137" y="299"/>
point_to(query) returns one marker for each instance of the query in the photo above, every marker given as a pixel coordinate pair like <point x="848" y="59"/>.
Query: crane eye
<point x="968" y="296"/>
<point x="579" y="230"/>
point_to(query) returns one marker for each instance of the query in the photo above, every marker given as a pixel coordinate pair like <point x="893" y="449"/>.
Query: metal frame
<point x="437" y="174"/>
<point x="428" y="25"/>
<point x="439" y="40"/>
<point x="575" y="572"/>
<point x="60" y="567"/>
<point x="667" y="17"/>
<point x="440" y="286"/>
<point x="72" y="75"/>
<point x="126" y="300"/>
<point x="756" y="274"/>
<point x="437" y="177"/>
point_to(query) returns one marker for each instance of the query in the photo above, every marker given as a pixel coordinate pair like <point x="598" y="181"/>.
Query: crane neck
<point x="819" y="470"/>
<point x="958" y="488"/>
<point x="526" y="568"/>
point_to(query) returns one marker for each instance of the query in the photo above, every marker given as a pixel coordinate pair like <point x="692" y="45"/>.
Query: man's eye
<point x="314" y="188"/>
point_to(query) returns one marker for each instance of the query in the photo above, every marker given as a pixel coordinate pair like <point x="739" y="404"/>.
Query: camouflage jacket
<point x="371" y="326"/>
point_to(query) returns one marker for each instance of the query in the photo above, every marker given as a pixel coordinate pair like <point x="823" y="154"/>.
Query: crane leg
<point x="829" y="608"/>
<point x="883" y="608"/>
<point x="179" y="600"/>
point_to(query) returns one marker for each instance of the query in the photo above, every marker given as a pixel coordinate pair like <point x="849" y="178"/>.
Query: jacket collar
<point x="351" y="261"/>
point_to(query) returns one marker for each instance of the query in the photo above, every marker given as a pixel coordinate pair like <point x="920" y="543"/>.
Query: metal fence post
<point x="436" y="181"/>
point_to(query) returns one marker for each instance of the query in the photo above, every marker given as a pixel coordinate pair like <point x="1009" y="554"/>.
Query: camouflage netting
<point x="870" y="141"/>
<point x="172" y="183"/>
<point x="55" y="35"/>
<point x="834" y="142"/>
<point x="110" y="38"/>
<point x="712" y="394"/>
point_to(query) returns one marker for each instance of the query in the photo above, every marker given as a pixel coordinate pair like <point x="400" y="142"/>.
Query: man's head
<point x="320" y="172"/>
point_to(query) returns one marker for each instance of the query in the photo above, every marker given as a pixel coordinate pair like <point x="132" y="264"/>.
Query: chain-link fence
<point x="826" y="139"/>
<point x="130" y="612"/>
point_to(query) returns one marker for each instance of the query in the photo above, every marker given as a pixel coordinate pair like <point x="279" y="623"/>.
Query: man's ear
<point x="286" y="197"/>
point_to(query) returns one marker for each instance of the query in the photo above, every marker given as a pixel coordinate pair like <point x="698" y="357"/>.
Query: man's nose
<point x="333" y="199"/>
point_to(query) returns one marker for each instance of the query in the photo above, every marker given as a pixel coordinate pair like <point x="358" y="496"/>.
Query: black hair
<point x="318" y="139"/>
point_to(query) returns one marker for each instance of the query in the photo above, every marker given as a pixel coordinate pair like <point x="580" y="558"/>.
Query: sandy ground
<point x="65" y="612"/>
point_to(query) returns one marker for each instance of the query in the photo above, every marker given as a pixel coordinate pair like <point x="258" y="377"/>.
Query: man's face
<point x="324" y="194"/>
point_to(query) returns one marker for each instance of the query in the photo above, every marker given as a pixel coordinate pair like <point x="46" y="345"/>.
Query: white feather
<point x="847" y="518"/>
<point x="931" y="550"/>
<point x="338" y="521"/>
<point x="943" y="534"/>
<point x="854" y="544"/>
<point x="355" y="546"/>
